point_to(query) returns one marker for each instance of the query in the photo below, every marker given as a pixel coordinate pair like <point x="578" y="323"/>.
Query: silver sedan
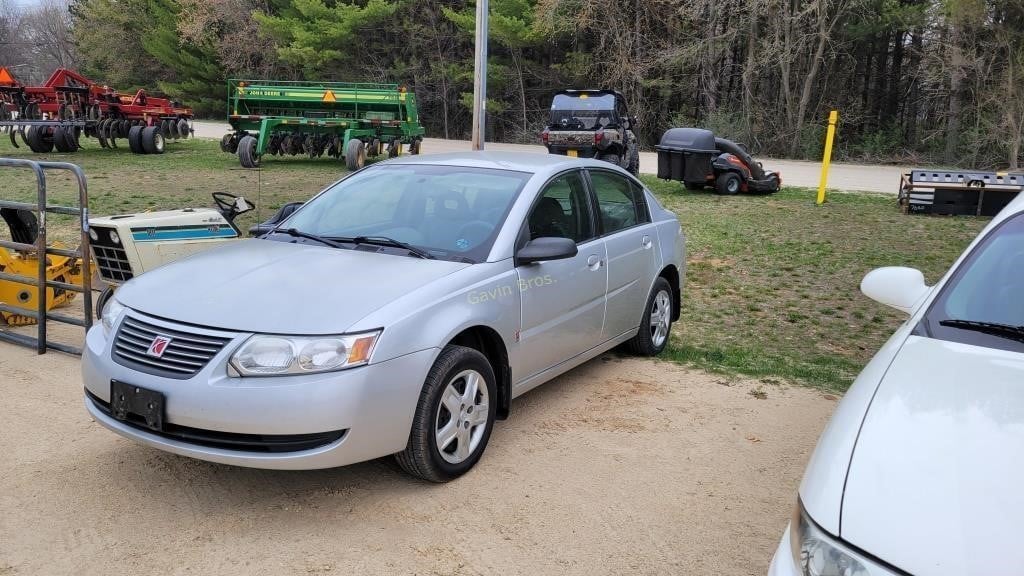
<point x="398" y="312"/>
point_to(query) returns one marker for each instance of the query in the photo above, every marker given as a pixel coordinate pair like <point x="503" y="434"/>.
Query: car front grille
<point x="183" y="357"/>
<point x="111" y="258"/>
<point x="269" y="443"/>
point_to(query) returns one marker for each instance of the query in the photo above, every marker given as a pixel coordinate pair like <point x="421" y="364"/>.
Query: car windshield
<point x="450" y="212"/>
<point x="583" y="111"/>
<point x="982" y="304"/>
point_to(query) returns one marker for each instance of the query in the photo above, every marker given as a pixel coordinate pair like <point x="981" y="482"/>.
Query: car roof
<point x="1016" y="205"/>
<point x="534" y="163"/>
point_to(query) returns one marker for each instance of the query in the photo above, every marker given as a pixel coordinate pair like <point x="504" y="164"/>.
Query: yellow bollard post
<point x="833" y="117"/>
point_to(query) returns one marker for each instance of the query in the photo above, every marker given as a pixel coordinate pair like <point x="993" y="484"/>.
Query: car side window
<point x="562" y="210"/>
<point x="620" y="203"/>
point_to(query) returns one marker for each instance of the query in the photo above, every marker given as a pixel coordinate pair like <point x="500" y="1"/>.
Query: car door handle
<point x="646" y="241"/>
<point x="594" y="262"/>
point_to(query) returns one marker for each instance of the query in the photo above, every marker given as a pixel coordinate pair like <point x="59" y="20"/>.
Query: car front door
<point x="624" y="223"/>
<point x="563" y="300"/>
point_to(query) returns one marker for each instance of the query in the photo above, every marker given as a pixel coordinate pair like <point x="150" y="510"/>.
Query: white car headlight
<point x="267" y="355"/>
<point x="817" y="553"/>
<point x="111" y="312"/>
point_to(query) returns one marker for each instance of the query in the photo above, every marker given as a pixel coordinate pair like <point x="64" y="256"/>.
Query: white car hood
<point x="279" y="287"/>
<point x="936" y="482"/>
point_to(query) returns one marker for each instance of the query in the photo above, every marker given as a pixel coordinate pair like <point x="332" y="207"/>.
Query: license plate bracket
<point x="127" y="400"/>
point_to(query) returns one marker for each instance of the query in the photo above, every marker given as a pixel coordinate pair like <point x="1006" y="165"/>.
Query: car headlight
<point x="111" y="312"/>
<point x="268" y="355"/>
<point x="817" y="553"/>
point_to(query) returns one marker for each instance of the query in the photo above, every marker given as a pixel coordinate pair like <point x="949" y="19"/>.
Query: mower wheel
<point x="355" y="154"/>
<point x="247" y="153"/>
<point x="693" y="185"/>
<point x="728" y="184"/>
<point x="611" y="159"/>
<point x="135" y="140"/>
<point x="153" y="140"/>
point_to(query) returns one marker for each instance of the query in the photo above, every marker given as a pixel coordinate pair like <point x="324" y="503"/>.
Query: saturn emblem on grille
<point x="158" y="346"/>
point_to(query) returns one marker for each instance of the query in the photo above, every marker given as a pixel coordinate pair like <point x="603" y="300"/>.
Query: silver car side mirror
<point x="899" y="287"/>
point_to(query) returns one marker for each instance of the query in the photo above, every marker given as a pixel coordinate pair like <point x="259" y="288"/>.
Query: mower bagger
<point x="698" y="159"/>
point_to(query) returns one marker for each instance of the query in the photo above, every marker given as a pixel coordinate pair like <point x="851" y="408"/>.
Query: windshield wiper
<point x="386" y="241"/>
<point x="1007" y="331"/>
<point x="300" y="234"/>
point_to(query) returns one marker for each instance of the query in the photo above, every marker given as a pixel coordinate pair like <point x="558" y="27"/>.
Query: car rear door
<point x="562" y="300"/>
<point x="624" y="223"/>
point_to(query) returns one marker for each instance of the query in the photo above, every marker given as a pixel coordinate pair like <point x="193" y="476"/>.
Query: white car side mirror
<point x="896" y="286"/>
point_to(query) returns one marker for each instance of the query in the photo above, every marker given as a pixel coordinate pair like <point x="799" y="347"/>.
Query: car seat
<point x="549" y="220"/>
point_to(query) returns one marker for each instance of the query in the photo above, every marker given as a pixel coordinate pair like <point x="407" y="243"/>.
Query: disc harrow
<point x="55" y="116"/>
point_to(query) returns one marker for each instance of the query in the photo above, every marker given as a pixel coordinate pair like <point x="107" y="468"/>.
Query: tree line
<point x="916" y="81"/>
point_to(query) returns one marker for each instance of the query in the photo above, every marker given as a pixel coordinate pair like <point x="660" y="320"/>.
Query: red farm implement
<point x="57" y="114"/>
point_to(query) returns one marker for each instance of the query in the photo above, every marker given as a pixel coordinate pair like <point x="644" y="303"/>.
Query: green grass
<point x="183" y="176"/>
<point x="771" y="283"/>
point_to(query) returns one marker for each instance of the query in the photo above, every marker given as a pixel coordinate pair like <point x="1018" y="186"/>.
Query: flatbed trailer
<point x="345" y="120"/>
<point x="67" y="105"/>
<point x="952" y="192"/>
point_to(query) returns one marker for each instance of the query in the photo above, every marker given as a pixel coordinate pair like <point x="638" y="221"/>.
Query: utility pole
<point x="480" y="76"/>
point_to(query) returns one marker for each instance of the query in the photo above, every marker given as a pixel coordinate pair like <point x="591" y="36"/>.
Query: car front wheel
<point x="656" y="323"/>
<point x="453" y="418"/>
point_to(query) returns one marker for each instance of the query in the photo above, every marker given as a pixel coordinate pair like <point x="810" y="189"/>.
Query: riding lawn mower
<point x="123" y="247"/>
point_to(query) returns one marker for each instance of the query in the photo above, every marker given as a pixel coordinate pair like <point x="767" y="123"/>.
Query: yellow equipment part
<point x="19" y="295"/>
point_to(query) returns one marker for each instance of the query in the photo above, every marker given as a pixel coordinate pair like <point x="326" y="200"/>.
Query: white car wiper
<point x="386" y="241"/>
<point x="1007" y="331"/>
<point x="300" y="234"/>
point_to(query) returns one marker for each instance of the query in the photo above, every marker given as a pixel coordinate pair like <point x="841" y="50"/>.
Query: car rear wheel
<point x="656" y="323"/>
<point x="453" y="418"/>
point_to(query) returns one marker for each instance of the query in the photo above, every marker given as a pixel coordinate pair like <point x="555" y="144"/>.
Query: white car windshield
<point x="448" y="212"/>
<point x="982" y="303"/>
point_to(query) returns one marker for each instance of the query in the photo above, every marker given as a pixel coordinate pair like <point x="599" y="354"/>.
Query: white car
<point x="921" y="470"/>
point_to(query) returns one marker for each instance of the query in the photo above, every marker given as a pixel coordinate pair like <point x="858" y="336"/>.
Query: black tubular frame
<point x="41" y="249"/>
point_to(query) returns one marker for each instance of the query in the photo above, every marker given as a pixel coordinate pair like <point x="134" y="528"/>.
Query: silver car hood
<point x="279" y="287"/>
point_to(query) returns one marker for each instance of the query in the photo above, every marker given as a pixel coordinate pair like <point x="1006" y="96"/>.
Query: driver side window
<point x="562" y="210"/>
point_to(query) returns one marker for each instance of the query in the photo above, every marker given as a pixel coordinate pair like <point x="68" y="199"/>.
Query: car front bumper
<point x="370" y="406"/>
<point x="782" y="563"/>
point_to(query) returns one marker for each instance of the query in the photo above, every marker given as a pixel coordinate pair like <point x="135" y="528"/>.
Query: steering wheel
<point x="473" y="233"/>
<point x="224" y="200"/>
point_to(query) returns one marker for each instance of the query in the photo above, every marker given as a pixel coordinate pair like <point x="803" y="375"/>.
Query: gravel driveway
<point x="622" y="466"/>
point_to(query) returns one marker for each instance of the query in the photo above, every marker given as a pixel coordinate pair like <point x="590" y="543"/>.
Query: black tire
<point x="60" y="139"/>
<point x="183" y="129"/>
<point x="693" y="185"/>
<point x="651" y="338"/>
<point x="728" y="184"/>
<point x="393" y="148"/>
<point x="39" y="140"/>
<point x="135" y="140"/>
<point x="634" y="161"/>
<point x="153" y="140"/>
<point x="414" y="148"/>
<point x="225" y="142"/>
<point x="165" y="128"/>
<point x="247" y="155"/>
<point x="355" y="154"/>
<point x="422" y="457"/>
<point x="611" y="159"/>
